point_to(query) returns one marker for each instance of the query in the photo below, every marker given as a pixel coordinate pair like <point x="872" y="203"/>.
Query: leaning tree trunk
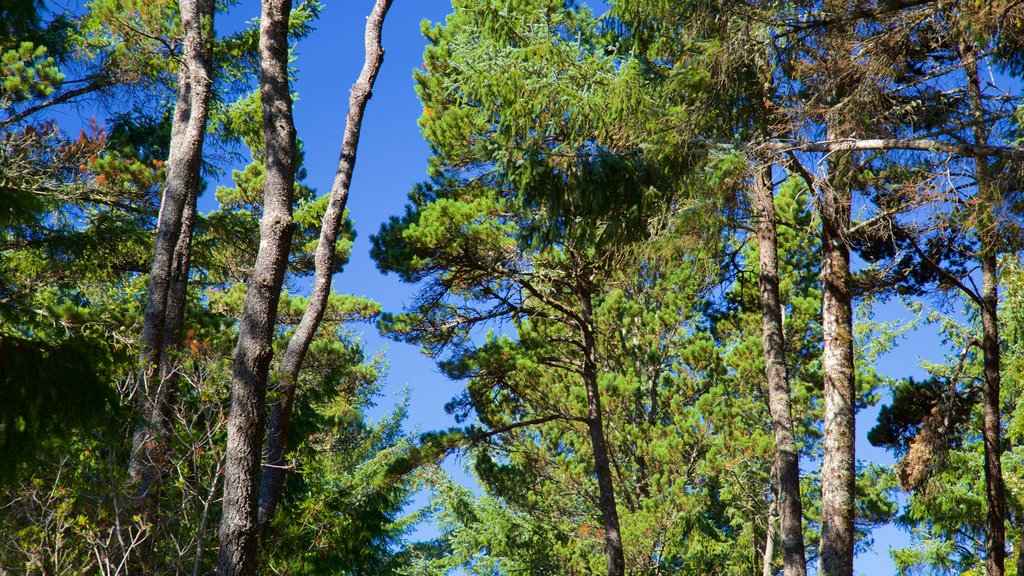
<point x="169" y="273"/>
<point x="238" y="529"/>
<point x="787" y="457"/>
<point x="595" y="426"/>
<point x="995" y="537"/>
<point x="281" y="412"/>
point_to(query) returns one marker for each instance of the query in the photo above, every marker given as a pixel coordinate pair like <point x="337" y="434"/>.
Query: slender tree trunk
<point x="238" y="529"/>
<point x="177" y="297"/>
<point x="769" y="530"/>
<point x="787" y="457"/>
<point x="995" y="540"/>
<point x="281" y="412"/>
<point x="595" y="425"/>
<point x="169" y="273"/>
<point x="838" y="473"/>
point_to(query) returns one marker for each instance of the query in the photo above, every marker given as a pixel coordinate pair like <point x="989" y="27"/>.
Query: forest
<point x="684" y="263"/>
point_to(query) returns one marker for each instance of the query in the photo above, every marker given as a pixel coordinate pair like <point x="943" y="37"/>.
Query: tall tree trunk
<point x="238" y="529"/>
<point x="769" y="529"/>
<point x="168" y="372"/>
<point x="835" y="197"/>
<point x="169" y="273"/>
<point x="177" y="296"/>
<point x="995" y="540"/>
<point x="272" y="480"/>
<point x="595" y="426"/>
<point x="838" y="472"/>
<point x="787" y="457"/>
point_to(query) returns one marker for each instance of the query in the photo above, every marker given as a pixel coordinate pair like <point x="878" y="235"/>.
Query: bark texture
<point x="238" y="529"/>
<point x="767" y="569"/>
<point x="595" y="426"/>
<point x="838" y="463"/>
<point x="787" y="457"/>
<point x="995" y="541"/>
<point x="988" y="234"/>
<point x="916" y="144"/>
<point x="168" y="282"/>
<point x="272" y="479"/>
<point x="835" y="196"/>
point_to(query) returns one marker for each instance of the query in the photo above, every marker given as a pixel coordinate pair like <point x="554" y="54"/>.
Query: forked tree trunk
<point x="177" y="296"/>
<point x="238" y="529"/>
<point x="169" y="273"/>
<point x="173" y="349"/>
<point x="177" y="299"/>
<point x="595" y="426"/>
<point x="787" y="457"/>
<point x="272" y="480"/>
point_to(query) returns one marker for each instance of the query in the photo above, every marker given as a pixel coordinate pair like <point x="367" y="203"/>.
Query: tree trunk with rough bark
<point x="838" y="470"/>
<point x="239" y="526"/>
<point x="988" y="234"/>
<point x="787" y="457"/>
<point x="835" y="198"/>
<point x="177" y="298"/>
<point x="272" y="480"/>
<point x="839" y="460"/>
<point x="769" y="530"/>
<point x="995" y="542"/>
<point x="595" y="426"/>
<point x="168" y="283"/>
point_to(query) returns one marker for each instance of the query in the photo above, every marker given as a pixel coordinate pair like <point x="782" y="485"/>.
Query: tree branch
<point x="911" y="144"/>
<point x="58" y="99"/>
<point x="972" y="294"/>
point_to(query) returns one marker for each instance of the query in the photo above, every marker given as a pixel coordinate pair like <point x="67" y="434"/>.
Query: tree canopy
<point x="676" y="256"/>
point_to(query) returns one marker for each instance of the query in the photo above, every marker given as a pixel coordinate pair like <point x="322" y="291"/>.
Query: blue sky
<point x="393" y="157"/>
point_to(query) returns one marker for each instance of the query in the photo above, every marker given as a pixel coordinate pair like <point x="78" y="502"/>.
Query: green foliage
<point x="27" y="72"/>
<point x="344" y="512"/>
<point x="48" y="391"/>
<point x="18" y="17"/>
<point x="229" y="236"/>
<point x="946" y="513"/>
<point x="577" y="162"/>
<point x="538" y="199"/>
<point x="76" y="220"/>
<point x="524" y="97"/>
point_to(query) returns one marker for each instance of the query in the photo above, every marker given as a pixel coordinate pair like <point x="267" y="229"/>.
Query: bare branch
<point x="910" y="144"/>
